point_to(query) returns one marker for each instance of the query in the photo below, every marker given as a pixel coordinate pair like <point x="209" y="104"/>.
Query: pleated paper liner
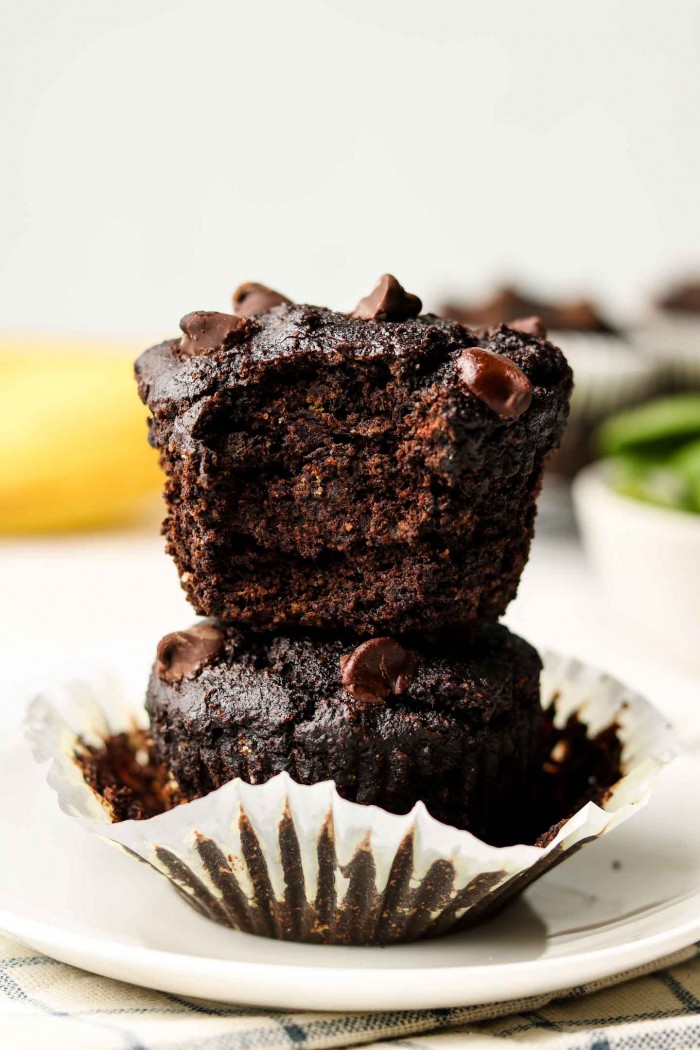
<point x="301" y="863"/>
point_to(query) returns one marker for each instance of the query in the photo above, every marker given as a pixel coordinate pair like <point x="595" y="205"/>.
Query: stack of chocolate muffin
<point x="351" y="500"/>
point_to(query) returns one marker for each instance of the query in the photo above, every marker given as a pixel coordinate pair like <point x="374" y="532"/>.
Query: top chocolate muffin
<point x="373" y="472"/>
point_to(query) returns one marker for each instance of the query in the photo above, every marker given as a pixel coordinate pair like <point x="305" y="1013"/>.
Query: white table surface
<point x="75" y="603"/>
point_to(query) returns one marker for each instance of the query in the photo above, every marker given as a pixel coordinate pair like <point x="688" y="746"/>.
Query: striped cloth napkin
<point x="44" y="1003"/>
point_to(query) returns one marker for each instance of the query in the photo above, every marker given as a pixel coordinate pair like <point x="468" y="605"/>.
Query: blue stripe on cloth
<point x="296" y="1033"/>
<point x="596" y="1022"/>
<point x="15" y="992"/>
<point x="673" y="1027"/>
<point x="211" y="1010"/>
<point x="257" y="1039"/>
<point x="28" y="960"/>
<point x="680" y="1039"/>
<point x="543" y="1022"/>
<point x="406" y="1044"/>
<point x="684" y="997"/>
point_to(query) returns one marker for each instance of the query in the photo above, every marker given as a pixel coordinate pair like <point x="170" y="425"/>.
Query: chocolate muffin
<point x="507" y="303"/>
<point x="373" y="472"/>
<point x="682" y="298"/>
<point x="456" y="728"/>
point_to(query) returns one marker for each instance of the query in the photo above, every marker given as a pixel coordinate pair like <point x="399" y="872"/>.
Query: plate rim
<point x="513" y="980"/>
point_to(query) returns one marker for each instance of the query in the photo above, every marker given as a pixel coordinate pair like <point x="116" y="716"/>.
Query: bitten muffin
<point x="610" y="373"/>
<point x="374" y="472"/>
<point x="456" y="729"/>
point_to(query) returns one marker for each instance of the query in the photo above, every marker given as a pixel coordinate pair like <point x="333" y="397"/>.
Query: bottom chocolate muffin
<point x="299" y="862"/>
<point x="454" y="726"/>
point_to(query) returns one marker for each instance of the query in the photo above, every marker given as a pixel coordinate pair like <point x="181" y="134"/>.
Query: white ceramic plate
<point x="623" y="901"/>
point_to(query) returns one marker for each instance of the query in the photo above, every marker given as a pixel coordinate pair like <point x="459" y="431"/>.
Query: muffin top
<point x="421" y="351"/>
<point x="213" y="669"/>
<point x="373" y="471"/>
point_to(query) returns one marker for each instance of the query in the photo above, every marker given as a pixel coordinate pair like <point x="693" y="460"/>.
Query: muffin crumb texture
<point x="373" y="473"/>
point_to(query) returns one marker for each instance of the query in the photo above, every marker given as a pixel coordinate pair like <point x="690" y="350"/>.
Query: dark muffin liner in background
<point x="609" y="374"/>
<point x="673" y="343"/>
<point x="301" y="863"/>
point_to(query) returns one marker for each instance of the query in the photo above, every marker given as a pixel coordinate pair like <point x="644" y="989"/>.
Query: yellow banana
<point x="73" y="446"/>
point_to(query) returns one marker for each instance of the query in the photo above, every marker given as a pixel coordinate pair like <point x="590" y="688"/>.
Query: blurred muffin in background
<point x="609" y="371"/>
<point x="509" y="303"/>
<point x="671" y="335"/>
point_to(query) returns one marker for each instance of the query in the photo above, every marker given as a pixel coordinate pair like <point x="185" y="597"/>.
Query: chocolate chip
<point x="377" y="668"/>
<point x="183" y="654"/>
<point x="207" y="330"/>
<point x="532" y="325"/>
<point x="388" y="302"/>
<point x="253" y="298"/>
<point x="496" y="381"/>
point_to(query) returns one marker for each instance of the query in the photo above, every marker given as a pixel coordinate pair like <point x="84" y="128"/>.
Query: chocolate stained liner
<point x="300" y="863"/>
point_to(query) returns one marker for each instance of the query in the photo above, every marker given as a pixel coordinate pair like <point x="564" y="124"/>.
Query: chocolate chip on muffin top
<point x="208" y="330"/>
<point x="388" y="301"/>
<point x="183" y="654"/>
<point x="496" y="381"/>
<point x="377" y="668"/>
<point x="253" y="298"/>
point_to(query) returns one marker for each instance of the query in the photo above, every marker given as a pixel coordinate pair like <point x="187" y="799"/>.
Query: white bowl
<point x="648" y="559"/>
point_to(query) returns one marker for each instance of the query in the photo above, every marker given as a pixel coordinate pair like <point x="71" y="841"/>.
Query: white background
<point x="156" y="153"/>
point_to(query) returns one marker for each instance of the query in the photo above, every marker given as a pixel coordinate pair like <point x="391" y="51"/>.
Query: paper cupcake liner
<point x="673" y="343"/>
<point x="609" y="373"/>
<point x="301" y="863"/>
